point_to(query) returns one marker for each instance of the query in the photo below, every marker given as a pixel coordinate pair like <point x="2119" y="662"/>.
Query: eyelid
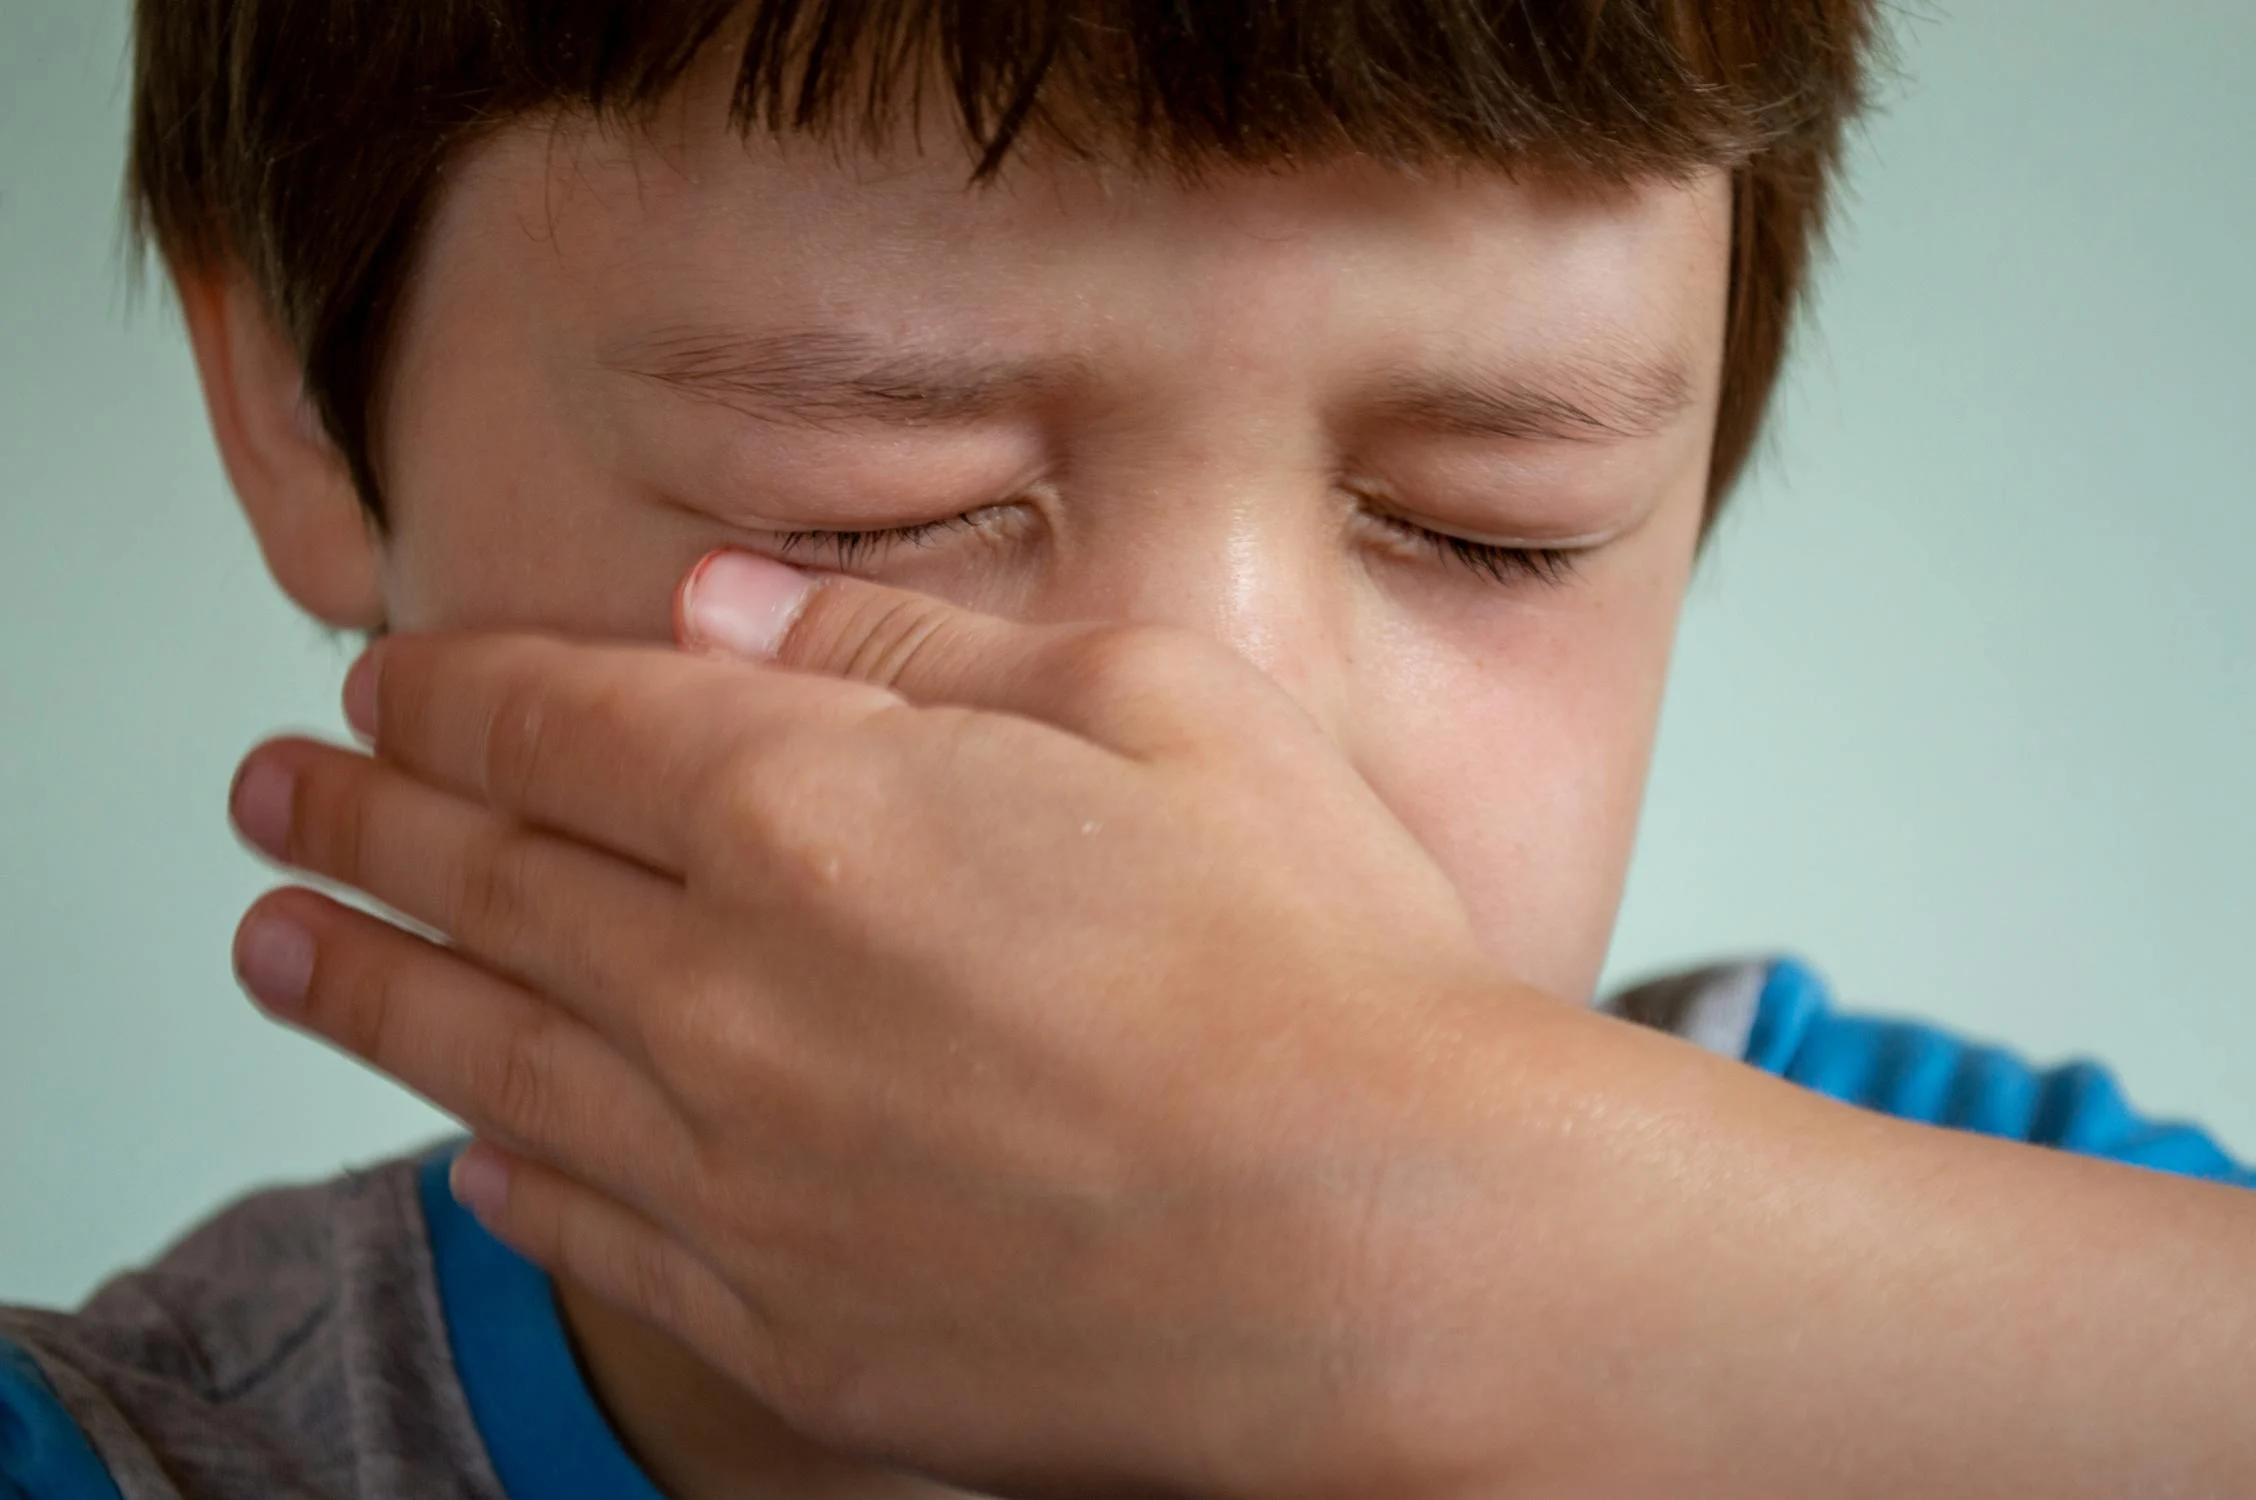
<point x="856" y="544"/>
<point x="1582" y="543"/>
<point x="1386" y="504"/>
<point x="1503" y="558"/>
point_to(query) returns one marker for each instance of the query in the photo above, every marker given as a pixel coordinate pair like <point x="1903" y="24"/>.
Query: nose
<point x="1254" y="564"/>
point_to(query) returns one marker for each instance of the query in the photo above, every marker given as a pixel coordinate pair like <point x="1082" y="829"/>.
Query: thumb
<point x="1138" y="689"/>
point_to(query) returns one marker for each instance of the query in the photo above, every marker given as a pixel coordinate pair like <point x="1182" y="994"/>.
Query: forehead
<point x="620" y="238"/>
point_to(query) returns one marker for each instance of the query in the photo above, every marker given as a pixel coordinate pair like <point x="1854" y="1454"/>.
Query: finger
<point x="1143" y="691"/>
<point x="576" y="1231"/>
<point x="470" y="1042"/>
<point x="616" y="745"/>
<point x="592" y="931"/>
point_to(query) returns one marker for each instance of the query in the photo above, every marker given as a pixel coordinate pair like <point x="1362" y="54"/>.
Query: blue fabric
<point x="43" y="1455"/>
<point x="547" y="1438"/>
<point x="1915" y="1072"/>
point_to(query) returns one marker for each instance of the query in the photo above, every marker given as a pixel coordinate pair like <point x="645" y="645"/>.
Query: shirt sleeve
<point x="1918" y="1072"/>
<point x="43" y="1453"/>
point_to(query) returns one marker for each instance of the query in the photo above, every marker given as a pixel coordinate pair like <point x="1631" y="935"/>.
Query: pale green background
<point x="1963" y="709"/>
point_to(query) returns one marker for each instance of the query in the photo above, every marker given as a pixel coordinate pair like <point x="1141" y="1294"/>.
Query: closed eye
<point x="1499" y="562"/>
<point x="844" y="549"/>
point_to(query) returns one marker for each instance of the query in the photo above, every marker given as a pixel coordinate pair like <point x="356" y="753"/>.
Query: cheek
<point x="1530" y="810"/>
<point x="506" y="554"/>
<point x="1521" y="769"/>
<point x="504" y="516"/>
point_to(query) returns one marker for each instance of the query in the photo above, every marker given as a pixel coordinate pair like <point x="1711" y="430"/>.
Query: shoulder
<point x="220" y="1310"/>
<point x="1780" y="1016"/>
<point x="290" y="1345"/>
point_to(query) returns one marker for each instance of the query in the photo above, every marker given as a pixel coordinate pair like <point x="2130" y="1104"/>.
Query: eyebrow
<point x="830" y="379"/>
<point x="827" y="378"/>
<point x="1593" y="400"/>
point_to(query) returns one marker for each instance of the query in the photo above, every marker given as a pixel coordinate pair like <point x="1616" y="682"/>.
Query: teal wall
<point x="1964" y="706"/>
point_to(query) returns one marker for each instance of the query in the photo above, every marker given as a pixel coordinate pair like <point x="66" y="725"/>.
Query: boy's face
<point x="1228" y="407"/>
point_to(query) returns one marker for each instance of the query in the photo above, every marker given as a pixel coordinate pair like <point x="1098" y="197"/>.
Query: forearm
<point x="1763" y="1292"/>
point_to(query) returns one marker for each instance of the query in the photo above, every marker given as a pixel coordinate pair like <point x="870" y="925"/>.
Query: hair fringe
<point x="302" y="141"/>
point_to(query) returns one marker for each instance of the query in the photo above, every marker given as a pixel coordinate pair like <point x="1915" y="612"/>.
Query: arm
<point x="1767" y="1292"/>
<point x="1229" y="1165"/>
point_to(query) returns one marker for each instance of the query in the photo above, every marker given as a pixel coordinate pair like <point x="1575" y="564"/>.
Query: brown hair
<point x="303" y="140"/>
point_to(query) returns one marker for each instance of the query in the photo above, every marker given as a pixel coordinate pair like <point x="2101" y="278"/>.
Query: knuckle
<point x="649" y="1280"/>
<point x="487" y="905"/>
<point x="721" y="1064"/>
<point x="512" y="1084"/>
<point x="403" y="696"/>
<point x="517" y="742"/>
<point x="789" y="812"/>
<point x="748" y="805"/>
<point x="354" y="999"/>
<point x="331" y="824"/>
<point x="876" y="637"/>
<point x="1135" y="676"/>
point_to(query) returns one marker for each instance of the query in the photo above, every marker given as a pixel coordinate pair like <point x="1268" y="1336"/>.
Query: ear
<point x="319" y="542"/>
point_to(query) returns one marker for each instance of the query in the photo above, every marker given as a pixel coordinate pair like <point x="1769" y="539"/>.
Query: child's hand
<point x="1033" y="1057"/>
<point x="1030" y="1054"/>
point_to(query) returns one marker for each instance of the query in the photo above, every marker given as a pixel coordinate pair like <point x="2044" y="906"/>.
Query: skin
<point x="1446" y="765"/>
<point x="1194" y="474"/>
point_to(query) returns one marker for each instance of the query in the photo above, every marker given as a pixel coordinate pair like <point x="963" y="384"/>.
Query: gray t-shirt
<point x="293" y="1346"/>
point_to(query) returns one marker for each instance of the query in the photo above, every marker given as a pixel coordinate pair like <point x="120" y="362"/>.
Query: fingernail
<point x="741" y="602"/>
<point x="274" y="959"/>
<point x="360" y="693"/>
<point x="479" y="1180"/>
<point x="261" y="803"/>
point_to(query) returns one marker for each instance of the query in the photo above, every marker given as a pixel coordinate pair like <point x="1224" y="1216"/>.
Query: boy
<point x="1403" y="350"/>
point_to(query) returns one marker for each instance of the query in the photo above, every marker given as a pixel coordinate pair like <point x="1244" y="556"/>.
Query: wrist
<point x="1604" y="1261"/>
<point x="1471" y="1305"/>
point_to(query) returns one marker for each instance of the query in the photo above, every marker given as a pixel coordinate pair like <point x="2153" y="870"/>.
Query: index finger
<point x="615" y="744"/>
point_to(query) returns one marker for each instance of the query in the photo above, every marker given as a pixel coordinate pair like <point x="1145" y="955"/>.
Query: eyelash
<point x="1491" y="560"/>
<point x="846" y="548"/>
